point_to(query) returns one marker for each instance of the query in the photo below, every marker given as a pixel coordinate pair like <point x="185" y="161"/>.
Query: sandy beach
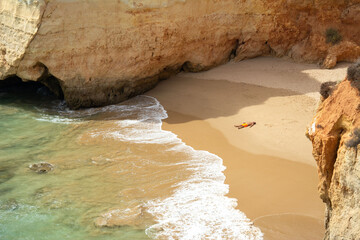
<point x="270" y="169"/>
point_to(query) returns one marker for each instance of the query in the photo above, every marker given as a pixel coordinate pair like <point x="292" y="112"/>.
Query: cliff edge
<point x="335" y="135"/>
<point x="97" y="52"/>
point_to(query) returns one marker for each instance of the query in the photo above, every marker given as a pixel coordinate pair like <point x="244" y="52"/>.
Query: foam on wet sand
<point x="270" y="168"/>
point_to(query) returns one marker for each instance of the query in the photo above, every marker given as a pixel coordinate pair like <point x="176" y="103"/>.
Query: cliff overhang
<point x="102" y="52"/>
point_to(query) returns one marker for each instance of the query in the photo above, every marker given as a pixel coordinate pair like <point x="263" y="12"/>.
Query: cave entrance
<point x="14" y="90"/>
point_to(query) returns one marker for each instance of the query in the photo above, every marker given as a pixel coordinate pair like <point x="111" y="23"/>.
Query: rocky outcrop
<point x="335" y="136"/>
<point x="19" y="23"/>
<point x="104" y="51"/>
<point x="42" y="167"/>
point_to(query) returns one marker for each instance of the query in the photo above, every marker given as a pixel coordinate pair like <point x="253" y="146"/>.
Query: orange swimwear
<point x="244" y="125"/>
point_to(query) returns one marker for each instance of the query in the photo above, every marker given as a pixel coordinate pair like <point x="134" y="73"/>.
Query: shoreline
<point x="269" y="168"/>
<point x="257" y="182"/>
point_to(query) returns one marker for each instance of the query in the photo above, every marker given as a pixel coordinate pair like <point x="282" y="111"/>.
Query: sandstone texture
<point x="98" y="52"/>
<point x="335" y="136"/>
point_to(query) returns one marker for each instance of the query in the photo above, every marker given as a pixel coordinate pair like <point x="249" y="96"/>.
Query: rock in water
<point x="42" y="167"/>
<point x="131" y="216"/>
<point x="9" y="205"/>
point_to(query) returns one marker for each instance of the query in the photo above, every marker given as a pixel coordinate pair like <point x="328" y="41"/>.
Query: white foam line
<point x="285" y="214"/>
<point x="198" y="209"/>
<point x="56" y="119"/>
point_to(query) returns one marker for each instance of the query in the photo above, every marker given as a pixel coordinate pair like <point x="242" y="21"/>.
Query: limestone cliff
<point x="104" y="51"/>
<point x="19" y="23"/>
<point x="335" y="136"/>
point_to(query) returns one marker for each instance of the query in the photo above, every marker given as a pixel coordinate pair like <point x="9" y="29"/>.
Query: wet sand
<point x="270" y="168"/>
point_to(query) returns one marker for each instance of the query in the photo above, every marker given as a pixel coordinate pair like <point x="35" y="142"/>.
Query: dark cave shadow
<point x="222" y="98"/>
<point x="26" y="95"/>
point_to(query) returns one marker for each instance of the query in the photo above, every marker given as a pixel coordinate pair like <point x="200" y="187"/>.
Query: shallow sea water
<point x="117" y="175"/>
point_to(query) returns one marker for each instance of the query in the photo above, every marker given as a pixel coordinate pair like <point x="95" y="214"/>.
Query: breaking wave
<point x="197" y="207"/>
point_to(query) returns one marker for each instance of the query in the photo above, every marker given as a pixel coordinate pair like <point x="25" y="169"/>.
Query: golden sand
<point x="270" y="168"/>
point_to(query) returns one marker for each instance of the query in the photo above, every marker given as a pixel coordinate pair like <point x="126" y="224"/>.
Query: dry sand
<point x="270" y="168"/>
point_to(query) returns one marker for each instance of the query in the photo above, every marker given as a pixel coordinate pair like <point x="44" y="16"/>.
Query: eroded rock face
<point x="104" y="51"/>
<point x="338" y="160"/>
<point x="19" y="23"/>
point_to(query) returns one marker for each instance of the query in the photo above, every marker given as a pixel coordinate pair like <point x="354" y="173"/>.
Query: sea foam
<point x="198" y="207"/>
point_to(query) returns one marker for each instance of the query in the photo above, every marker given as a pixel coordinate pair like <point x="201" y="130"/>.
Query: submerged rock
<point x="134" y="216"/>
<point x="42" y="167"/>
<point x="9" y="205"/>
<point x="103" y="52"/>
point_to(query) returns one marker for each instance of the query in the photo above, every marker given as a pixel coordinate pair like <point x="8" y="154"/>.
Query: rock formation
<point x="335" y="136"/>
<point x="42" y="167"/>
<point x="99" y="52"/>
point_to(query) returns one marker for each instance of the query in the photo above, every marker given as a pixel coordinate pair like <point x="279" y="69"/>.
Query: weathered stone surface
<point x="345" y="51"/>
<point x="19" y="23"/>
<point x="338" y="161"/>
<point x="42" y="167"/>
<point x="104" y="51"/>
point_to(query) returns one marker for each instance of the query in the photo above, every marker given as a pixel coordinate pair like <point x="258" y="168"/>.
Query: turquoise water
<point x="117" y="174"/>
<point x="60" y="204"/>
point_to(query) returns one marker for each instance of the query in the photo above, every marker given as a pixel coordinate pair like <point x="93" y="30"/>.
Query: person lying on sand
<point x="244" y="125"/>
